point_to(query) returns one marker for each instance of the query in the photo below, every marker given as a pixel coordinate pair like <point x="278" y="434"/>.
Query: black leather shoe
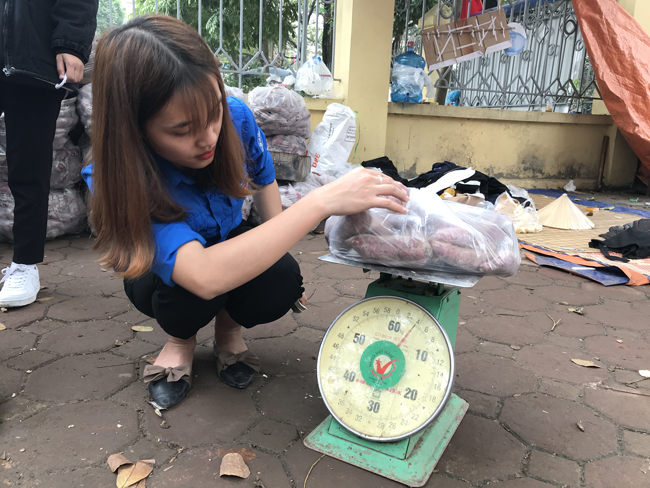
<point x="168" y="386"/>
<point x="236" y="370"/>
<point x="238" y="375"/>
<point x="167" y="394"/>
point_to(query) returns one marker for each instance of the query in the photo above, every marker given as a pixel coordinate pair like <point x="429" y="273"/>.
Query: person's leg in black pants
<point x="30" y="120"/>
<point x="181" y="314"/>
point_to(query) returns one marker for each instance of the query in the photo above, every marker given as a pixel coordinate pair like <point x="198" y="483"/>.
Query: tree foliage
<point x="104" y="14"/>
<point x="229" y="38"/>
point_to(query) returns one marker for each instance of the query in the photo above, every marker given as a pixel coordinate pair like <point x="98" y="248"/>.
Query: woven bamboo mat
<point x="575" y="241"/>
<point x="639" y="265"/>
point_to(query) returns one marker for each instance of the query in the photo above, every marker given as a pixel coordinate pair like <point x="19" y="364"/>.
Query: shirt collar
<point x="172" y="174"/>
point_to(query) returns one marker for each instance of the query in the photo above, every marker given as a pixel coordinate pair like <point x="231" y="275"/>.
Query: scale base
<point x="410" y="461"/>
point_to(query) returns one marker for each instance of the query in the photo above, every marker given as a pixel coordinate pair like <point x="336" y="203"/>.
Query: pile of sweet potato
<point x="434" y="235"/>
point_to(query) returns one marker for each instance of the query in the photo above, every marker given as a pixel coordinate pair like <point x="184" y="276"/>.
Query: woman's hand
<point x="359" y="190"/>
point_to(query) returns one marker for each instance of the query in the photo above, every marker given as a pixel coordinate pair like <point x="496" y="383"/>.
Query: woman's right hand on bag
<point x="360" y="190"/>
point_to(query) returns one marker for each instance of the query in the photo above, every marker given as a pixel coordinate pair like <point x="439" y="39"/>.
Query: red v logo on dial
<point x="382" y="369"/>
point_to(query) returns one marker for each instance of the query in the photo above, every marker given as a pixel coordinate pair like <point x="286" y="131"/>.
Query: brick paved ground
<point x="71" y="393"/>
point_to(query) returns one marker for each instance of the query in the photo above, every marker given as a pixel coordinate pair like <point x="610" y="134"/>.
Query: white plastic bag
<point x="523" y="215"/>
<point x="314" y="78"/>
<point x="434" y="235"/>
<point x="66" y="213"/>
<point x="278" y="110"/>
<point x="332" y="141"/>
<point x="85" y="106"/>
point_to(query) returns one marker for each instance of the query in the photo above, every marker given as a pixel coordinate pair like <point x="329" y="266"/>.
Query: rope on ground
<point x="309" y="472"/>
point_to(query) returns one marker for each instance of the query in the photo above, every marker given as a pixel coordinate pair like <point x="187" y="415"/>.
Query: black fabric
<point x="386" y="166"/>
<point x="34" y="31"/>
<point x="30" y="120"/>
<point x="490" y="187"/>
<point x="632" y="242"/>
<point x="642" y="224"/>
<point x="181" y="314"/>
<point x="438" y="170"/>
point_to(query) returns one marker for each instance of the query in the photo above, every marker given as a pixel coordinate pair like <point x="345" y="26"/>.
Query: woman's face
<point x="169" y="135"/>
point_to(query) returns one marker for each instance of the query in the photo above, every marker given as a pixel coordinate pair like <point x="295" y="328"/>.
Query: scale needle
<point x="404" y="338"/>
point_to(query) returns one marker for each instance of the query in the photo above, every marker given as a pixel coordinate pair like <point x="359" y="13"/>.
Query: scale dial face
<point x="385" y="368"/>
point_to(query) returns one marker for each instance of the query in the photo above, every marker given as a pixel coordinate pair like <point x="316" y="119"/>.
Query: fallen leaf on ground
<point x="580" y="425"/>
<point x="44" y="299"/>
<point x="233" y="464"/>
<point x="645" y="373"/>
<point x="578" y="310"/>
<point x="586" y="364"/>
<point x="167" y="468"/>
<point x="119" y="343"/>
<point x="140" y="471"/>
<point x="142" y="328"/>
<point x="116" y="460"/>
<point x="151" y="360"/>
<point x="516" y="348"/>
<point x="3" y="326"/>
<point x="123" y="473"/>
<point x="142" y="484"/>
<point x="563" y="303"/>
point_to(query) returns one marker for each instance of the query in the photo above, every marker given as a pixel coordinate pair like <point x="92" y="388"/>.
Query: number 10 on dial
<point x="385" y="368"/>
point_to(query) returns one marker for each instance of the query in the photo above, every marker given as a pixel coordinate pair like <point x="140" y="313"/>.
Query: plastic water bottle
<point x="404" y="89"/>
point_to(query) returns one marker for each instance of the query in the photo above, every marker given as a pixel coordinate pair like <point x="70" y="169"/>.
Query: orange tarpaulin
<point x="636" y="278"/>
<point x="619" y="50"/>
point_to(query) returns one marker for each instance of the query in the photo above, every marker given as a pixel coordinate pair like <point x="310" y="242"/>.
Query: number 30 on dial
<point x="385" y="368"/>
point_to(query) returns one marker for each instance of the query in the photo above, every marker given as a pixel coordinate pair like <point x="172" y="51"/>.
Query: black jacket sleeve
<point x="75" y="24"/>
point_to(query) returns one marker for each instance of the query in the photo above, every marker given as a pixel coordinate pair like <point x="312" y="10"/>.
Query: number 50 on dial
<point x="385" y="368"/>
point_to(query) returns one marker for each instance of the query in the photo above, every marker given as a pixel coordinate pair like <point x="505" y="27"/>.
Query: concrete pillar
<point x="364" y="34"/>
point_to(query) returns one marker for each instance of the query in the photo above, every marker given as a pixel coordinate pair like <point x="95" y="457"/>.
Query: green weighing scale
<point x="385" y="373"/>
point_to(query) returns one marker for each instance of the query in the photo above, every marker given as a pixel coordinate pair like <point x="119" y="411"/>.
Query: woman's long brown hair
<point x="138" y="68"/>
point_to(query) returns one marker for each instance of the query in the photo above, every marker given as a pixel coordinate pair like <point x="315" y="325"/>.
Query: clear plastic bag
<point x="292" y="192"/>
<point x="66" y="213"/>
<point x="278" y="110"/>
<point x="407" y="83"/>
<point x="88" y="67"/>
<point x="314" y="78"/>
<point x="66" y="164"/>
<point x="523" y="215"/>
<point x="66" y="121"/>
<point x="85" y="106"/>
<point x="434" y="235"/>
<point x="287" y="144"/>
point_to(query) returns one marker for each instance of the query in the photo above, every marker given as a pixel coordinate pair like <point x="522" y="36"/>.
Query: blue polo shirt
<point x="211" y="214"/>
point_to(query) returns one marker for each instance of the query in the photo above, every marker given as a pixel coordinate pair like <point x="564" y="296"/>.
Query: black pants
<point x="181" y="314"/>
<point x="30" y="119"/>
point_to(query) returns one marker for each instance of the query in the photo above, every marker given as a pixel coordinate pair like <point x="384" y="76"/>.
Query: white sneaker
<point x="21" y="285"/>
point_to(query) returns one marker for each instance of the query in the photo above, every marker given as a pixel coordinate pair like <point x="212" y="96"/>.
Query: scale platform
<point x="410" y="460"/>
<point x="449" y="279"/>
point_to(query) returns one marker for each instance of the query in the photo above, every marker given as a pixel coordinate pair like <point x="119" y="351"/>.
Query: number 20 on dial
<point x="385" y="368"/>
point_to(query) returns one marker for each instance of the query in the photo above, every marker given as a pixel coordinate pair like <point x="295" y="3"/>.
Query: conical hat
<point x="564" y="214"/>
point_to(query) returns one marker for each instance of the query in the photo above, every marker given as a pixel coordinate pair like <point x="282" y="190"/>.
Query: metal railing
<point x="552" y="73"/>
<point x="255" y="39"/>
